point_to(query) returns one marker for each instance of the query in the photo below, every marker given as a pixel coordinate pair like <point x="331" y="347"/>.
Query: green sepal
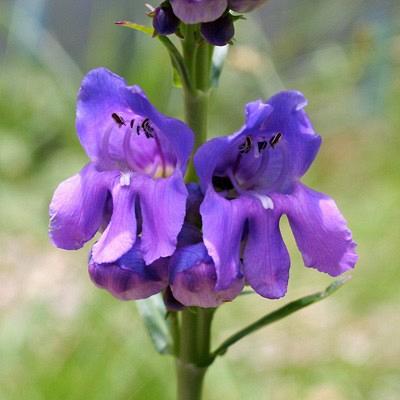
<point x="154" y="314"/>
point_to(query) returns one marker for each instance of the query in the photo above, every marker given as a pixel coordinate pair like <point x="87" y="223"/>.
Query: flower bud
<point x="219" y="32"/>
<point x="165" y="22"/>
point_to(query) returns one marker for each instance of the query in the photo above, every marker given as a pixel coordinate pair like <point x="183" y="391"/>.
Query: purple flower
<point x="129" y="278"/>
<point x="138" y="158"/>
<point x="250" y="179"/>
<point x="219" y="32"/>
<point x="193" y="278"/>
<point x="193" y="275"/>
<point x="165" y="22"/>
<point x="195" y="11"/>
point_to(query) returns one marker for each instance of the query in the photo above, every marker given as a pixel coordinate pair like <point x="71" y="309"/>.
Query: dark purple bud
<point x="219" y="32"/>
<point x="165" y="22"/>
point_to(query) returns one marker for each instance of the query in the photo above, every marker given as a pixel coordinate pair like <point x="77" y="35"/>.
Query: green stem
<point x="194" y="356"/>
<point x="195" y="323"/>
<point x="196" y="56"/>
<point x="190" y="381"/>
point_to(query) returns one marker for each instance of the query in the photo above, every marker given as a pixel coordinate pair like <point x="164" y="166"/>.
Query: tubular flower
<point x="192" y="271"/>
<point x="165" y="22"/>
<point x="128" y="278"/>
<point x="219" y="32"/>
<point x="250" y="179"/>
<point x="138" y="158"/>
<point x="195" y="11"/>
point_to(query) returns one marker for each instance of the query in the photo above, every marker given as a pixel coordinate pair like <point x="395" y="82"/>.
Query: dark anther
<point x="275" y="139"/>
<point x="245" y="147"/>
<point x="118" y="119"/>
<point x="147" y="128"/>
<point x="222" y="183"/>
<point x="131" y="123"/>
<point x="138" y="130"/>
<point x="262" y="145"/>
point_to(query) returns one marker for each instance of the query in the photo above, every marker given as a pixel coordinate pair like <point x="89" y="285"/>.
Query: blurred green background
<point x="61" y="338"/>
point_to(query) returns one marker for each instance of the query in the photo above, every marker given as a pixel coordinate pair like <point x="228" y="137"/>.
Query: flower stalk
<point x="197" y="59"/>
<point x="194" y="356"/>
<point x="195" y="323"/>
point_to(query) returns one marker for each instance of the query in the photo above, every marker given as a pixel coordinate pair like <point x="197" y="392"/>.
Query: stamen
<point x="275" y="139"/>
<point x="262" y="145"/>
<point x="147" y="128"/>
<point x="256" y="152"/>
<point x="118" y="119"/>
<point x="245" y="147"/>
<point x="128" y="153"/>
<point x="132" y="123"/>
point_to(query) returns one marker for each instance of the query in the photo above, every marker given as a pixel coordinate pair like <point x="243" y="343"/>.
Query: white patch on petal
<point x="125" y="179"/>
<point x="266" y="201"/>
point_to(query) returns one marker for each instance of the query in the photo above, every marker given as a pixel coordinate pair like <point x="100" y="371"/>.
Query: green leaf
<point x="154" y="314"/>
<point x="218" y="60"/>
<point x="278" y="315"/>
<point x="137" y="27"/>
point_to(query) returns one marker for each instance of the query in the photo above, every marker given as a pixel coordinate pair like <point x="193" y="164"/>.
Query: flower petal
<point x="266" y="259"/>
<point x="120" y="234"/>
<point x="102" y="93"/>
<point x="320" y="230"/>
<point x="193" y="279"/>
<point x="219" y="32"/>
<point x="77" y="208"/>
<point x="212" y="156"/>
<point x="223" y="224"/>
<point x="192" y="12"/>
<point x="289" y="118"/>
<point x="174" y="135"/>
<point x="129" y="278"/>
<point x="163" y="206"/>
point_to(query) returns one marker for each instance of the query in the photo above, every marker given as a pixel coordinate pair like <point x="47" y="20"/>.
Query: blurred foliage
<point x="62" y="338"/>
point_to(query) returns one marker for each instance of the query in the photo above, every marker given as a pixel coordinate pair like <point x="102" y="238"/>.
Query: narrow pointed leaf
<point x="137" y="27"/>
<point x="278" y="315"/>
<point x="154" y="313"/>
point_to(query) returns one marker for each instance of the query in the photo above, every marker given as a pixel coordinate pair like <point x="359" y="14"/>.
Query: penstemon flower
<point x="250" y="180"/>
<point x="129" y="278"/>
<point x="138" y="158"/>
<point x="192" y="273"/>
<point x="195" y="11"/>
<point x="195" y="245"/>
